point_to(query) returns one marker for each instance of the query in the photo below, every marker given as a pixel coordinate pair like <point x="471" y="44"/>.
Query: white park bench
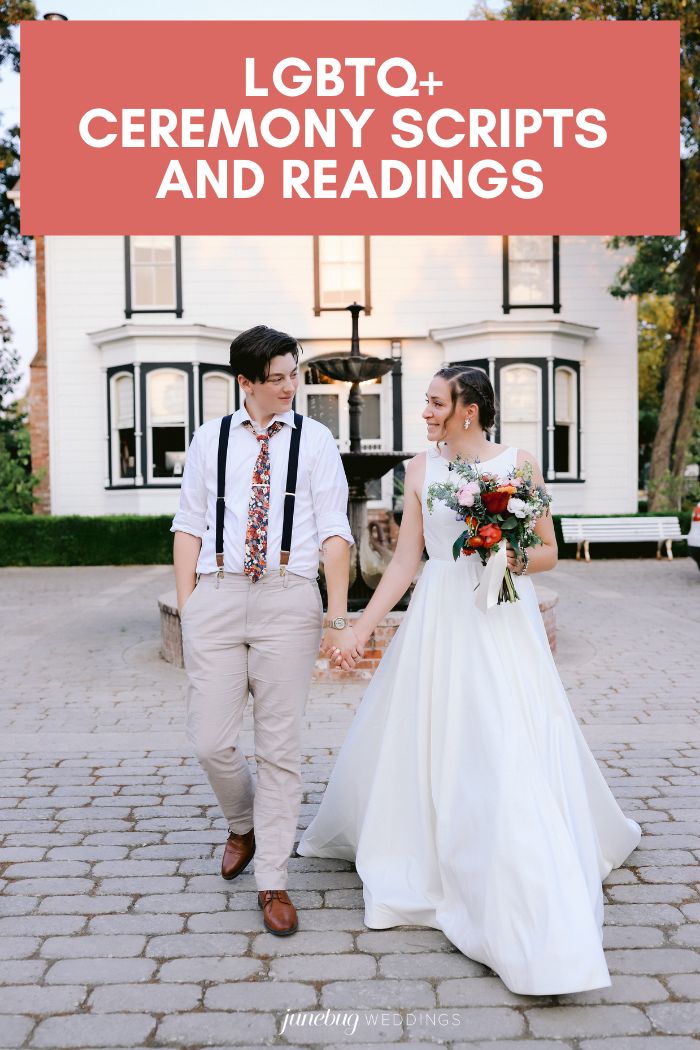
<point x="582" y="531"/>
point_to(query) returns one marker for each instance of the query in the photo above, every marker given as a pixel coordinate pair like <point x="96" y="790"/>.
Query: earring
<point x="467" y="423"/>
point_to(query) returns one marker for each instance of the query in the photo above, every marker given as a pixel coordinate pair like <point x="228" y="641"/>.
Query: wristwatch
<point x="337" y="624"/>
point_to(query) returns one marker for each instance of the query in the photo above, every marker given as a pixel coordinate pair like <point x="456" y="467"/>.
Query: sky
<point x="17" y="286"/>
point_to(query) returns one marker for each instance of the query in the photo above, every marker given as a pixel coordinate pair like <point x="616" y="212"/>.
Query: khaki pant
<point x="263" y="638"/>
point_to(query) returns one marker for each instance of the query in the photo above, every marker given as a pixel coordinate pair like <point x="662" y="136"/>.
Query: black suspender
<point x="289" y="495"/>
<point x="224" y="432"/>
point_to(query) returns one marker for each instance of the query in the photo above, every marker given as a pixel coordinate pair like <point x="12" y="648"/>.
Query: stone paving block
<point x="211" y="968"/>
<point x="475" y="1023"/>
<point x="643" y="915"/>
<point x="581" y="1021"/>
<point x="385" y="994"/>
<point x="673" y="893"/>
<point x="22" y="971"/>
<point x="145" y="998"/>
<point x="413" y="940"/>
<point x="14" y="1031"/>
<point x="656" y="961"/>
<point x="480" y="991"/>
<point x="511" y="1044"/>
<point x="684" y="985"/>
<point x="676" y="1018"/>
<point x="113" y="1030"/>
<point x="624" y="989"/>
<point x="196" y="944"/>
<point x="150" y="925"/>
<point x="353" y="966"/>
<point x="88" y="853"/>
<point x="226" y="1029"/>
<point x="430" y="965"/>
<point x="47" y="887"/>
<point x="632" y="937"/>
<point x="647" y="1042"/>
<point x="146" y="884"/>
<point x="17" y="905"/>
<point x="327" y="942"/>
<point x="81" y="904"/>
<point x="18" y="947"/>
<point x="263" y="996"/>
<point x="179" y="903"/>
<point x="40" y="925"/>
<point x="25" y="999"/>
<point x="92" y="946"/>
<point x="95" y="971"/>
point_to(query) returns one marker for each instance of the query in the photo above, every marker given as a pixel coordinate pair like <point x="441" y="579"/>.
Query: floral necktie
<point x="255" y="558"/>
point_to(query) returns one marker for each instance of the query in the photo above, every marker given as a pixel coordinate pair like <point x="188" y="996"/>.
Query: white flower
<point x="517" y="506"/>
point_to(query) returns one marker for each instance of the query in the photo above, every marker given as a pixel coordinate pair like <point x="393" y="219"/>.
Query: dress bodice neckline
<point x="436" y="454"/>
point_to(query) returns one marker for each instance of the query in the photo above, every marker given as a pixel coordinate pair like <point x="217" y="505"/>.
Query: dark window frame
<point x="130" y="309"/>
<point x="206" y="369"/>
<point x="555" y="305"/>
<point x="318" y="309"/>
<point x="127" y="483"/>
<point x="542" y="364"/>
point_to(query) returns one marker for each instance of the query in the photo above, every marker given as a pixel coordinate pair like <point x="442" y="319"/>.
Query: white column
<point x="195" y="392"/>
<point x="138" y="433"/>
<point x="550" y="418"/>
<point x="105" y="417"/>
<point x="492" y="380"/>
<point x="582" y="409"/>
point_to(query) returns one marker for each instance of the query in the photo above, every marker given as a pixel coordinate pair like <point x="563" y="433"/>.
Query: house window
<point x="166" y="424"/>
<point x="565" y="422"/>
<point x="123" y="433"/>
<point x="531" y="273"/>
<point x="153" y="275"/>
<point x="217" y="395"/>
<point x="521" y="407"/>
<point x="327" y="400"/>
<point x="341" y="273"/>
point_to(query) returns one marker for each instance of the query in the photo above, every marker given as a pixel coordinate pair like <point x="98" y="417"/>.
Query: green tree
<point x="17" y="481"/>
<point x="667" y="266"/>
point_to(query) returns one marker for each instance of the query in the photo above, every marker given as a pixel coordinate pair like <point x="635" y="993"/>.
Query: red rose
<point x="475" y="541"/>
<point x="490" y="534"/>
<point x="495" y="502"/>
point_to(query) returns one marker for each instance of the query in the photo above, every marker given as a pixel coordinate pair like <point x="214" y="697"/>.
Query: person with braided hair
<point x="465" y="792"/>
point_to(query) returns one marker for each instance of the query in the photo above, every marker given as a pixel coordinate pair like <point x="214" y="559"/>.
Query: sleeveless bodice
<point x="441" y="528"/>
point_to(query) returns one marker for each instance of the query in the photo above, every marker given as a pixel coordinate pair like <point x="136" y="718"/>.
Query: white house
<point x="138" y="330"/>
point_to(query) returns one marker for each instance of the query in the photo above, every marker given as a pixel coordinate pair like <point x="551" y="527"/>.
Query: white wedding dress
<point x="465" y="792"/>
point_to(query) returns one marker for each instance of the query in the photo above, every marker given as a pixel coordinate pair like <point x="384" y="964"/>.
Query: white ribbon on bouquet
<point x="495" y="570"/>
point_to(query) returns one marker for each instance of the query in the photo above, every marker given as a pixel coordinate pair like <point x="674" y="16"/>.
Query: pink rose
<point x="468" y="493"/>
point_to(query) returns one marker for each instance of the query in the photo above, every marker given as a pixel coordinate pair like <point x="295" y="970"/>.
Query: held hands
<point x="343" y="648"/>
<point x="515" y="564"/>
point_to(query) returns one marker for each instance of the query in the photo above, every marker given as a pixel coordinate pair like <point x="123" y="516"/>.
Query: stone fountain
<point x="360" y="467"/>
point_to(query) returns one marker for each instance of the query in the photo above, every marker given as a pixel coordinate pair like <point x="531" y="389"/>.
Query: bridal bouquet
<point x="494" y="509"/>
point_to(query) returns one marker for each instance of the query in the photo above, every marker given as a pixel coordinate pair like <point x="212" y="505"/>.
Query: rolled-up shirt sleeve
<point x="191" y="514"/>
<point x="329" y="493"/>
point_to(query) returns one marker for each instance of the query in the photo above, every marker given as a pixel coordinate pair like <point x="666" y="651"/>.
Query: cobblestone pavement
<point x="116" y="930"/>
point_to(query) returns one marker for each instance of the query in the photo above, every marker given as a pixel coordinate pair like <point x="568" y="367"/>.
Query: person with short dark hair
<point x="263" y="492"/>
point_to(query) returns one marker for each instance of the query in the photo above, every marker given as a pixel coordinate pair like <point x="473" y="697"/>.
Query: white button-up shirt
<point x="321" y="493"/>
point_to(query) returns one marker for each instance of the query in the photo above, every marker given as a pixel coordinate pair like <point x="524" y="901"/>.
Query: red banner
<point x="350" y="127"/>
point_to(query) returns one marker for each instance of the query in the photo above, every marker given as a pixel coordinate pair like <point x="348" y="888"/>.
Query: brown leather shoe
<point x="279" y="914"/>
<point x="238" y="853"/>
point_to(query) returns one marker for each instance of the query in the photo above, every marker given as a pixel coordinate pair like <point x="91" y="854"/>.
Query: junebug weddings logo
<point x="349" y="1022"/>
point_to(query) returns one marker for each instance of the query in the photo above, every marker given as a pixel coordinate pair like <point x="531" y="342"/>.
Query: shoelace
<point x="269" y="895"/>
